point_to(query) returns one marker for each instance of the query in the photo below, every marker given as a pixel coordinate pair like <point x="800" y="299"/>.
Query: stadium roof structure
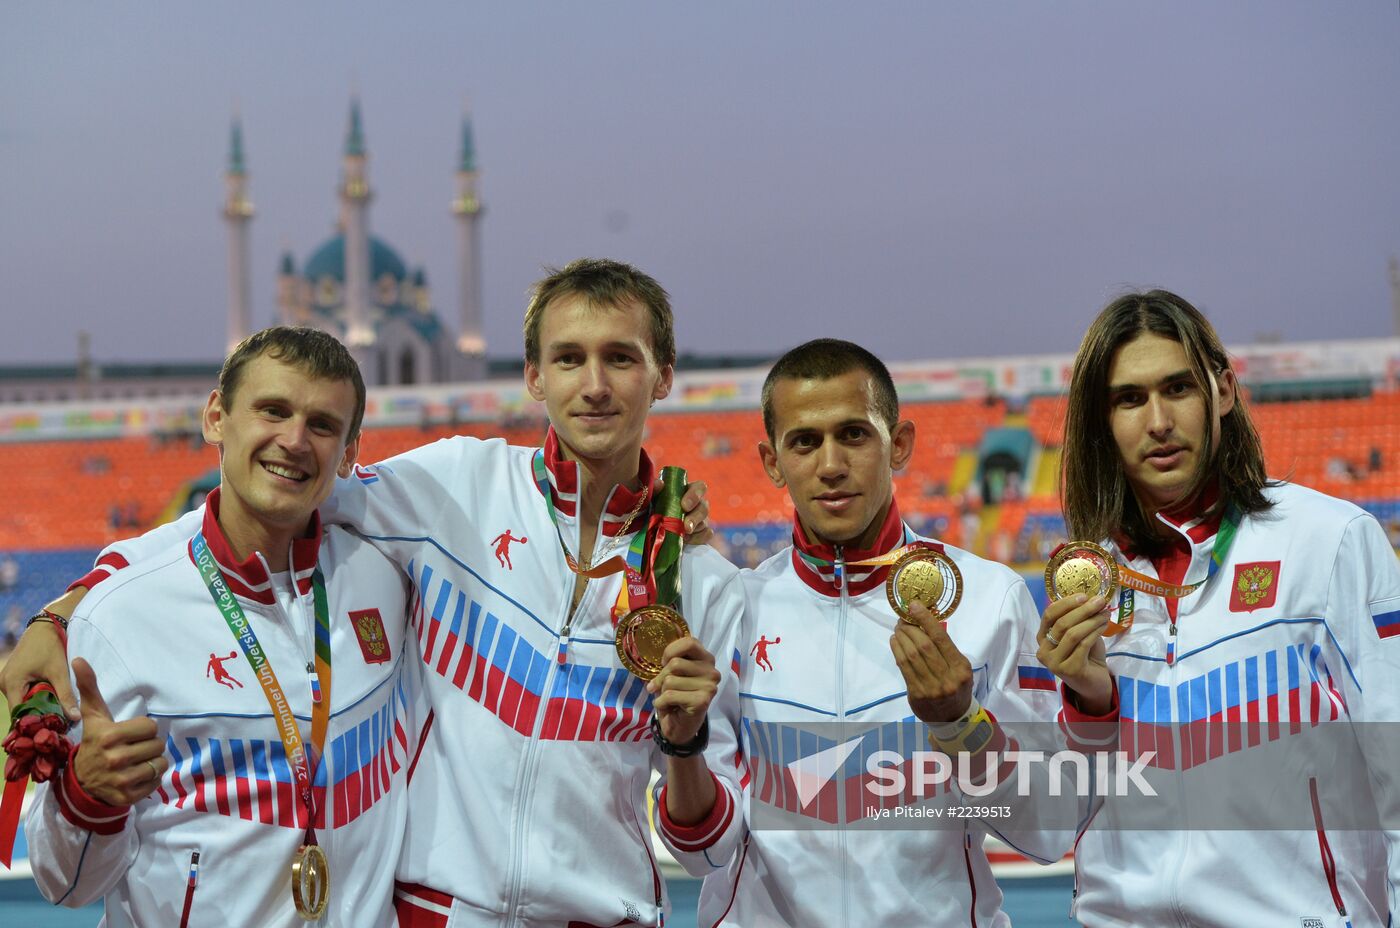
<point x="139" y="370"/>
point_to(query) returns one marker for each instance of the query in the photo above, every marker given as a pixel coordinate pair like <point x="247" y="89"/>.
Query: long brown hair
<point x="1097" y="499"/>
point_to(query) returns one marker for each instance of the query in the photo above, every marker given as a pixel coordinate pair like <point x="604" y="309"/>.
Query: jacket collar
<point x="1193" y="524"/>
<point x="564" y="484"/>
<point x="248" y="578"/>
<point x="825" y="578"/>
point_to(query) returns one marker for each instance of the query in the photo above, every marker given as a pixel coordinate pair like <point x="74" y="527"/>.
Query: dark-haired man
<point x="816" y="852"/>
<point x="1262" y="632"/>
<point x="528" y="797"/>
<point x="249" y="780"/>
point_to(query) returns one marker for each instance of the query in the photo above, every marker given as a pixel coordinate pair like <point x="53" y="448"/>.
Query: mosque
<point x="357" y="287"/>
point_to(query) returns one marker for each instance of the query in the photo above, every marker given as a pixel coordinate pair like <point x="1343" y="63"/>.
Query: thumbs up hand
<point x="116" y="763"/>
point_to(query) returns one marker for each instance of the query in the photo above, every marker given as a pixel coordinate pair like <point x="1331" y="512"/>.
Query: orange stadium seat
<point x="79" y="495"/>
<point x="1046" y="418"/>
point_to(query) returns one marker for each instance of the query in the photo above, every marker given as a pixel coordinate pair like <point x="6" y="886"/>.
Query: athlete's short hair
<point x="1095" y="495"/>
<point x="316" y="353"/>
<point x="603" y="283"/>
<point x="823" y="359"/>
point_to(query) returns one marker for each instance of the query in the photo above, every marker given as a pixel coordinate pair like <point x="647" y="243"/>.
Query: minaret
<point x="354" y="199"/>
<point x="1395" y="291"/>
<point x="288" y="308"/>
<point x="238" y="211"/>
<point x="471" y="345"/>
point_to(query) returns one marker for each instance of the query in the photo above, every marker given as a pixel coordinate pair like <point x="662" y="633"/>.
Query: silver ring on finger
<point x="1054" y="642"/>
<point x="155" y="771"/>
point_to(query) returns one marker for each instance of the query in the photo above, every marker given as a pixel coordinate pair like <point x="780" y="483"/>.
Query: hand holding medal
<point x="654" y="641"/>
<point x="1071" y="646"/>
<point x="937" y="674"/>
<point x="1083" y="567"/>
<point x="645" y="632"/>
<point x="923" y="574"/>
<point x="920" y="572"/>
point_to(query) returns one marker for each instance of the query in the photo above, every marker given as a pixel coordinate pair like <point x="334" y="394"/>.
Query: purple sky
<point x="931" y="179"/>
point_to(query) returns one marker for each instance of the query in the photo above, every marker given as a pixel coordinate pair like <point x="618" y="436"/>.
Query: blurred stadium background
<point x="82" y="473"/>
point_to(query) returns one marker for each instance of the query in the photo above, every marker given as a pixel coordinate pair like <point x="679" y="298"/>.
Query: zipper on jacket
<point x="843" y="610"/>
<point x="530" y="756"/>
<point x="971" y="879"/>
<point x="1179" y="738"/>
<point x="1329" y="863"/>
<point x="189" y="889"/>
<point x="530" y="759"/>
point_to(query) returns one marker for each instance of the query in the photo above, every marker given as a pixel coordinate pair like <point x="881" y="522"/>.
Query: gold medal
<point x="1081" y="567"/>
<point x="927" y="576"/>
<point x="643" y="636"/>
<point x="311" y="881"/>
<point x="1084" y="567"/>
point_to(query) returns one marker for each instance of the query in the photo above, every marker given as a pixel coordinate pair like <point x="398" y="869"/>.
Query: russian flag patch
<point x="1035" y="678"/>
<point x="1387" y="623"/>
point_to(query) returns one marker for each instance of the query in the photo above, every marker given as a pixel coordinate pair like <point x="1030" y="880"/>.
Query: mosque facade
<point x="357" y="287"/>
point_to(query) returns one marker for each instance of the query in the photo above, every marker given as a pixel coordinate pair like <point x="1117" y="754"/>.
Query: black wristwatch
<point x="689" y="749"/>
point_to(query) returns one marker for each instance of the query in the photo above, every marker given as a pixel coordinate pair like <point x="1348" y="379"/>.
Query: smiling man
<point x="815" y="855"/>
<point x="195" y="808"/>
<point x="1270" y="625"/>
<point x="529" y="792"/>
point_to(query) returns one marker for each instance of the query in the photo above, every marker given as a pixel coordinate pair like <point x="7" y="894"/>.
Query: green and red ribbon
<point x="37" y="749"/>
<point x="666" y="539"/>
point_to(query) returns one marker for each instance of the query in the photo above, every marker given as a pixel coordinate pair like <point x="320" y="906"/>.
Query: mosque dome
<point x="329" y="261"/>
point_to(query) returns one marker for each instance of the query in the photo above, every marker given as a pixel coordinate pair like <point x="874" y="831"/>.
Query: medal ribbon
<point x="666" y="540"/>
<point x="911" y="543"/>
<point x="612" y="565"/>
<point x="303" y="767"/>
<point x="652" y="561"/>
<point x="1224" y="538"/>
<point x="653" y="558"/>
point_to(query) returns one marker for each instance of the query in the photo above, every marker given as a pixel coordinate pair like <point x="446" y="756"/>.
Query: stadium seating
<point x="66" y="499"/>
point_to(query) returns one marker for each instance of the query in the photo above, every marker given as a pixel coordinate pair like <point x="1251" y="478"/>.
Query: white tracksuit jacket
<point x="528" y="800"/>
<point x="1299" y="632"/>
<point x="152" y="634"/>
<point x="826" y="658"/>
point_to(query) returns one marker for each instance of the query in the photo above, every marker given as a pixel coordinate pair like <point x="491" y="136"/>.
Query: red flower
<point x="36" y="744"/>
<point x="44" y="767"/>
<point x="20" y="748"/>
<point x="29" y="724"/>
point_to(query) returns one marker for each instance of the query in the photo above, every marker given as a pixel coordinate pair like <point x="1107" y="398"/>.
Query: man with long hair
<point x="1255" y="628"/>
